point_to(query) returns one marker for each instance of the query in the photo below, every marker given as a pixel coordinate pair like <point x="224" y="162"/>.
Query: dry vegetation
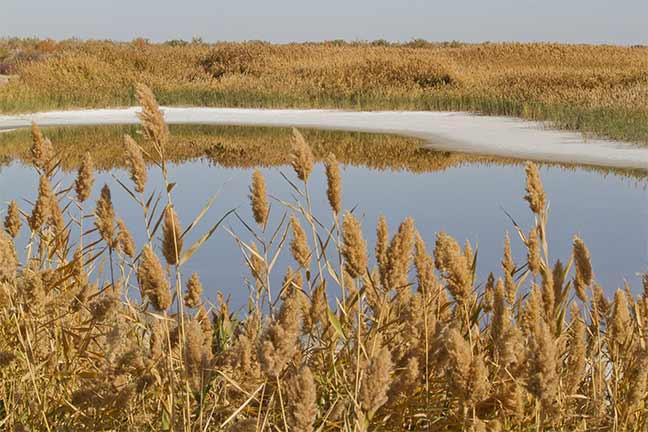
<point x="408" y="341"/>
<point x="594" y="89"/>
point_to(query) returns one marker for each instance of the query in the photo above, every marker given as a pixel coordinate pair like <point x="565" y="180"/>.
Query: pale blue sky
<point x="589" y="21"/>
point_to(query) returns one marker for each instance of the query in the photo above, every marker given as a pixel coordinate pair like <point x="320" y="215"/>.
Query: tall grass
<point x="594" y="89"/>
<point x="400" y="338"/>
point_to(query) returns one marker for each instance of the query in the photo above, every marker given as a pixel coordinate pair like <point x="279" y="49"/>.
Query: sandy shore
<point x="452" y="131"/>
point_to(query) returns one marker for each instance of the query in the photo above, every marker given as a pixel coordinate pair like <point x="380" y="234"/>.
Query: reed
<point x="593" y="89"/>
<point x="404" y="339"/>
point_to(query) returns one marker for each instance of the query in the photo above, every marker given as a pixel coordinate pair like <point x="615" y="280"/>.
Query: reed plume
<point x="301" y="156"/>
<point x="153" y="281"/>
<point x="584" y="276"/>
<point x="171" y="236"/>
<point x="508" y="266"/>
<point x="577" y="354"/>
<point x="533" y="251"/>
<point x="8" y="259"/>
<point x="280" y="341"/>
<point x="259" y="199"/>
<point x="543" y="379"/>
<point x="12" y="221"/>
<point x="42" y="151"/>
<point x="41" y="211"/>
<point x="535" y="194"/>
<point x="194" y="291"/>
<point x="334" y="183"/>
<point x="125" y="241"/>
<point x="85" y="179"/>
<point x="399" y="255"/>
<point x="354" y="247"/>
<point x="378" y="379"/>
<point x="451" y="261"/>
<point x="105" y="217"/>
<point x="135" y="161"/>
<point x="301" y="400"/>
<point x="151" y="118"/>
<point x="382" y="244"/>
<point x="197" y="354"/>
<point x="299" y="245"/>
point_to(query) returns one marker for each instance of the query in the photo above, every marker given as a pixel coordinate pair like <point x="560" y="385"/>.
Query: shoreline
<point x="447" y="131"/>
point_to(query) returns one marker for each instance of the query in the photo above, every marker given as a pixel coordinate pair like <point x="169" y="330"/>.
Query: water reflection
<point x="464" y="195"/>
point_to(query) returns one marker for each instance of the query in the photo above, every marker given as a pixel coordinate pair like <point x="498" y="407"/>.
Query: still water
<point x="467" y="196"/>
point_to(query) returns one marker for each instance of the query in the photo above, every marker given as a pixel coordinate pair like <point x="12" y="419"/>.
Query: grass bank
<point x="599" y="90"/>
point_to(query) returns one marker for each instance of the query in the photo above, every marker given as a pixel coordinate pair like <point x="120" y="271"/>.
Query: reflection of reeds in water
<point x="251" y="147"/>
<point x="410" y="340"/>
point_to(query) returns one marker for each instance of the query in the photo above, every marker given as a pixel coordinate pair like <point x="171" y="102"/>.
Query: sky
<point x="578" y="21"/>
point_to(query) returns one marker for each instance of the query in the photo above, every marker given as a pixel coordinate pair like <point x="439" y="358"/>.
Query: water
<point x="466" y="196"/>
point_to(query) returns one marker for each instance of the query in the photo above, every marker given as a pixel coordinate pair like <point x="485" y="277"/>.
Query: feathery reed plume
<point x="533" y="251"/>
<point x="151" y="118"/>
<point x="152" y="280"/>
<point x="535" y="190"/>
<point x="548" y="292"/>
<point x="451" y="262"/>
<point x="85" y="179"/>
<point x="125" y="240"/>
<point x="197" y="354"/>
<point x="78" y="268"/>
<point x="136" y="163"/>
<point x="8" y="259"/>
<point x="301" y="400"/>
<point x="399" y="255"/>
<point x="543" y="378"/>
<point x="382" y="244"/>
<point x="377" y="380"/>
<point x="424" y="265"/>
<point x="468" y="375"/>
<point x="584" y="276"/>
<point x="280" y="342"/>
<point x="171" y="240"/>
<point x="468" y="252"/>
<point x="42" y="151"/>
<point x="194" y="291"/>
<point x="41" y="211"/>
<point x="501" y="318"/>
<point x="299" y="244"/>
<point x="12" y="221"/>
<point x="105" y="216"/>
<point x="318" y="312"/>
<point x="354" y="247"/>
<point x="576" y="356"/>
<point x="488" y="298"/>
<point x="619" y="325"/>
<point x="259" y="198"/>
<point x="334" y="183"/>
<point x="301" y="156"/>
<point x="558" y="275"/>
<point x="508" y="265"/>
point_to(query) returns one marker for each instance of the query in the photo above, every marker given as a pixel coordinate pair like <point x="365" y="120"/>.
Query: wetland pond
<point x="473" y="198"/>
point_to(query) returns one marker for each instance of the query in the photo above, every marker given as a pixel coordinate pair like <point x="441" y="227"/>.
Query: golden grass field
<point x="601" y="90"/>
<point x="399" y="338"/>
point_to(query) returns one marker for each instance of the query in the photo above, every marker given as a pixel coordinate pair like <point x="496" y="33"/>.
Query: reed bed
<point x="598" y="90"/>
<point x="100" y="333"/>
